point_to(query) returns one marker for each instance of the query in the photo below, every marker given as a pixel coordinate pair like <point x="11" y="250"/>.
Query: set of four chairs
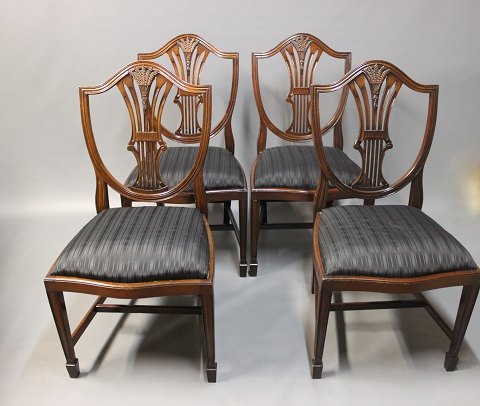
<point x="134" y="252"/>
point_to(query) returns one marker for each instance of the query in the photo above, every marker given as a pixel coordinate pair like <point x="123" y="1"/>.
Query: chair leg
<point x="323" y="298"/>
<point x="226" y="217"/>
<point x="59" y="311"/>
<point x="125" y="201"/>
<point x="243" y="215"/>
<point x="209" y="331"/>
<point x="315" y="289"/>
<point x="263" y="205"/>
<point x="465" y="308"/>
<point x="254" y="230"/>
<point x="340" y="324"/>
<point x="312" y="287"/>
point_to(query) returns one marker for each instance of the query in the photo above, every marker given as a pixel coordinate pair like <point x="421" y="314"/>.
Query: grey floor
<point x="264" y="334"/>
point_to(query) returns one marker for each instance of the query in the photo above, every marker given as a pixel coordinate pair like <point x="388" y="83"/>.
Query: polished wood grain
<point x="144" y="86"/>
<point x="375" y="86"/>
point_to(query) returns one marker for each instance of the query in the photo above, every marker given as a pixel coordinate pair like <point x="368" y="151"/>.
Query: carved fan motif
<point x="375" y="75"/>
<point x="301" y="44"/>
<point x="187" y="45"/>
<point x="144" y="77"/>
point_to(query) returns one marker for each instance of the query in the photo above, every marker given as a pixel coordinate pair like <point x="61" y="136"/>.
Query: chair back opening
<point x="145" y="87"/>
<point x="188" y="54"/>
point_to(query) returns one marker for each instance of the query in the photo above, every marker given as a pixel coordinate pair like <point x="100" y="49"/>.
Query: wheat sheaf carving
<point x="188" y="46"/>
<point x="375" y="75"/>
<point x="301" y="44"/>
<point x="144" y="77"/>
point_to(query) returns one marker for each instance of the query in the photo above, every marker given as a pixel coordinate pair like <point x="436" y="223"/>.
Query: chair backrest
<point x="188" y="54"/>
<point x="145" y="87"/>
<point x="301" y="53"/>
<point x="375" y="86"/>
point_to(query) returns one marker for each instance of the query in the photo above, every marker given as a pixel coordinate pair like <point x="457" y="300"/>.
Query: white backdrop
<point x="51" y="47"/>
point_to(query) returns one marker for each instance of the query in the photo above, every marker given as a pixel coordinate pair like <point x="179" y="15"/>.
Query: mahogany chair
<point x="394" y="249"/>
<point x="291" y="172"/>
<point x="224" y="178"/>
<point x="139" y="252"/>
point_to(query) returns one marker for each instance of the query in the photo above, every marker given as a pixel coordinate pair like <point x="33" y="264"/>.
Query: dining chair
<point x="289" y="173"/>
<point x="224" y="178"/>
<point x="388" y="248"/>
<point x="139" y="252"/>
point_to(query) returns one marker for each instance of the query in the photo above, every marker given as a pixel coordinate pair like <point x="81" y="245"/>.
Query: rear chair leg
<point x="254" y="230"/>
<point x="126" y="202"/>
<point x="341" y="334"/>
<point x="243" y="214"/>
<point x="209" y="330"/>
<point x="59" y="311"/>
<point x="226" y="217"/>
<point x="465" y="308"/>
<point x="312" y="287"/>
<point x="264" y="212"/>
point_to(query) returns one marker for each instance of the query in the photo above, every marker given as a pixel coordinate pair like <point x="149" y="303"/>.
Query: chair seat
<point x="387" y="241"/>
<point x="221" y="170"/>
<point x="139" y="244"/>
<point x="297" y="167"/>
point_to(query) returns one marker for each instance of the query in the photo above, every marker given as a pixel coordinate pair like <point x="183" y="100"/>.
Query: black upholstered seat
<point x="221" y="169"/>
<point x="138" y="244"/>
<point x="387" y="241"/>
<point x="296" y="167"/>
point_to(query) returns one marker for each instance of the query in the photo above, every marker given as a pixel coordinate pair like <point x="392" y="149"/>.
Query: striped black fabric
<point x="221" y="169"/>
<point x="297" y="167"/>
<point x="138" y="244"/>
<point x="387" y="241"/>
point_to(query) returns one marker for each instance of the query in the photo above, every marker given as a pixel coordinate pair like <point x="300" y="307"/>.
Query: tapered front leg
<point x="209" y="331"/>
<point x="59" y="311"/>
<point x="323" y="297"/>
<point x="465" y="309"/>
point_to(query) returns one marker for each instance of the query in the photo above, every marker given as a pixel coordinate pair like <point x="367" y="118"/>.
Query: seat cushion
<point x="387" y="241"/>
<point x="221" y="169"/>
<point x="297" y="167"/>
<point x="138" y="244"/>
